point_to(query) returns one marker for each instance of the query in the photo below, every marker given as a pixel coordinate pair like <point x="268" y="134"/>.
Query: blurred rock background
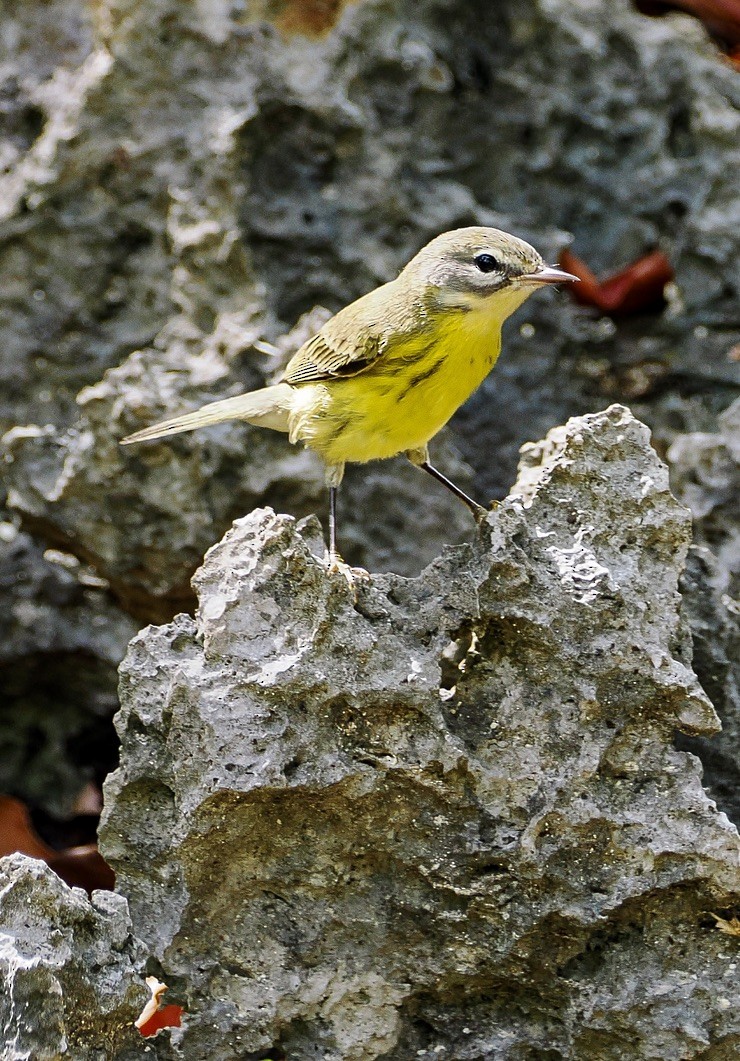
<point x="181" y="182"/>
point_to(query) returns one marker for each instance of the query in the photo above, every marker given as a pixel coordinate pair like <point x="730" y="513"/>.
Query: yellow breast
<point x="404" y="399"/>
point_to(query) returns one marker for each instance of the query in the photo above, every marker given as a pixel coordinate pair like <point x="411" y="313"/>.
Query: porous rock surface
<point x="70" y="970"/>
<point x="184" y="180"/>
<point x="441" y="816"/>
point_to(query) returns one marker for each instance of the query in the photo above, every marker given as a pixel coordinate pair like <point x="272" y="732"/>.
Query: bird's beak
<point x="548" y="274"/>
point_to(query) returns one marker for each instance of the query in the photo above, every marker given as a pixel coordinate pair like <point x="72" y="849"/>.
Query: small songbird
<point x="388" y="371"/>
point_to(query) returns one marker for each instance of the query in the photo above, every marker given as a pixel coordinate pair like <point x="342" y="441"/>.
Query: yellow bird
<point x="388" y="371"/>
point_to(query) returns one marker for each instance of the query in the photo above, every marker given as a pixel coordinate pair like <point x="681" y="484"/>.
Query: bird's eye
<point x="487" y="263"/>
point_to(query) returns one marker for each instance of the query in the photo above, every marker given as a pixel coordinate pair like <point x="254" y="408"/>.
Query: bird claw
<point x="336" y="566"/>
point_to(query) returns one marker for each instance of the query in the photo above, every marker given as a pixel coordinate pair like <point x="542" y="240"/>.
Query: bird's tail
<point x="267" y="408"/>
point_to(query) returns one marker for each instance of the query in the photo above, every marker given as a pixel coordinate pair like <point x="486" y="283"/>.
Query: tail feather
<point x="267" y="408"/>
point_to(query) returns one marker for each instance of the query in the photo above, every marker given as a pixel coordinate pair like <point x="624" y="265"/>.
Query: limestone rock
<point x="443" y="815"/>
<point x="705" y="475"/>
<point x="70" y="969"/>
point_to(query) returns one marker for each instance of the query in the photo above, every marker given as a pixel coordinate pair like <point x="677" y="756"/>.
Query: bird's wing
<point x="332" y="355"/>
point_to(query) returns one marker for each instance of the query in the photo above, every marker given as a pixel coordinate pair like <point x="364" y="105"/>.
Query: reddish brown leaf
<point x="169" y="1016"/>
<point x="80" y="867"/>
<point x="637" y="288"/>
<point x="17" y="833"/>
<point x="587" y="293"/>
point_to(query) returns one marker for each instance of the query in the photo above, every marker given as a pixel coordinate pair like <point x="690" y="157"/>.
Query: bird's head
<point x="477" y="267"/>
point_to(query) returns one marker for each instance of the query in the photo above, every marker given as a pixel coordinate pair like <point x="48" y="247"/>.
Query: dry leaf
<point x="18" y="834"/>
<point x="83" y="867"/>
<point x="730" y="928"/>
<point x="637" y="288"/>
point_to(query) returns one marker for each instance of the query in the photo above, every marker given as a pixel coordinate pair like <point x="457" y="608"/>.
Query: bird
<point x="387" y="372"/>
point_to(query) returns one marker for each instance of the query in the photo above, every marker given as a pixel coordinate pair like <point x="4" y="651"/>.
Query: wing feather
<point x="377" y="326"/>
<point x="327" y="356"/>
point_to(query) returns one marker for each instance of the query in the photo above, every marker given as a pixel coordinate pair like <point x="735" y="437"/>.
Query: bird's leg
<point x="334" y="473"/>
<point x="334" y="557"/>
<point x="335" y="564"/>
<point x="478" y="511"/>
<point x="421" y="459"/>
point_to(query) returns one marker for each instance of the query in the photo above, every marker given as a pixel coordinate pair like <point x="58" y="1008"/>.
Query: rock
<point x="439" y="816"/>
<point x="70" y="968"/>
<point x="705" y="475"/>
<point x="715" y="626"/>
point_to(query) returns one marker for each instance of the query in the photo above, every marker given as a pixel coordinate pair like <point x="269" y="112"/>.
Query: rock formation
<point x="442" y="814"/>
<point x="180" y="186"/>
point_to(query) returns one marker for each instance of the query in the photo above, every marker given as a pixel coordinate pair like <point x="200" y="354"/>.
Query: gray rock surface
<point x="199" y="176"/>
<point x="70" y="970"/>
<point x="441" y="816"/>
<point x="180" y="182"/>
<point x="705" y="475"/>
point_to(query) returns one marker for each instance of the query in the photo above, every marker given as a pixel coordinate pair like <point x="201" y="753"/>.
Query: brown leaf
<point x="730" y="928"/>
<point x="635" y="289"/>
<point x="83" y="867"/>
<point x="17" y="833"/>
<point x="80" y="867"/>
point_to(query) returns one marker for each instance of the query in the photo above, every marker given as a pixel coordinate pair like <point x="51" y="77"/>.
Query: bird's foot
<point x="480" y="514"/>
<point x="336" y="566"/>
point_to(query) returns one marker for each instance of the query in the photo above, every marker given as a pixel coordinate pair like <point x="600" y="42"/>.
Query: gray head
<point x="467" y="265"/>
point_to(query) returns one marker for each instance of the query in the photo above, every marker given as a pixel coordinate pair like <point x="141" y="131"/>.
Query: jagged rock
<point x="440" y="816"/>
<point x="178" y="183"/>
<point x="70" y="969"/>
<point x="185" y="180"/>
